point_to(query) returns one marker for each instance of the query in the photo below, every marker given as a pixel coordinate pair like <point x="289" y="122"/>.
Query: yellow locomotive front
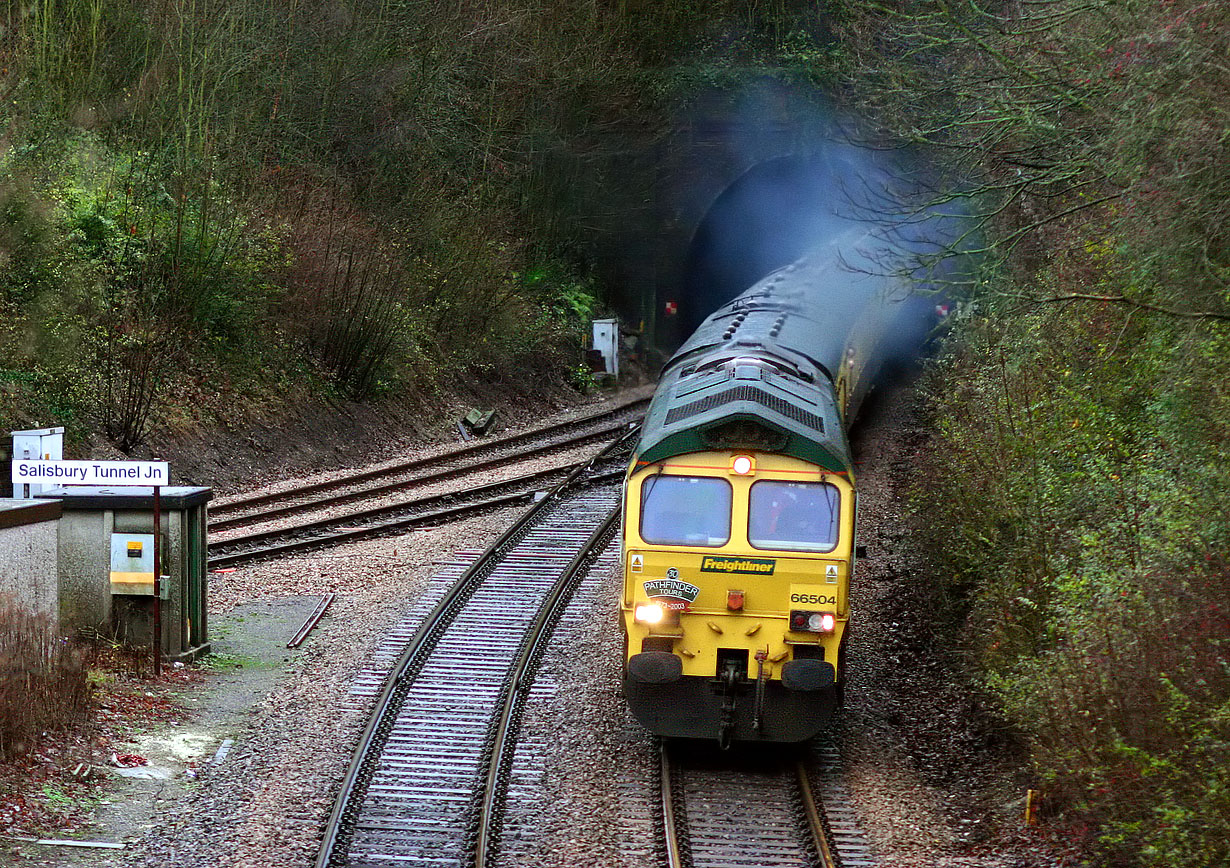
<point x="735" y="595"/>
<point x="739" y="504"/>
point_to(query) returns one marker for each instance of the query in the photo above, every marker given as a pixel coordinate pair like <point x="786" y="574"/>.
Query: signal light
<point x="742" y="465"/>
<point x="812" y="622"/>
<point x="649" y="613"/>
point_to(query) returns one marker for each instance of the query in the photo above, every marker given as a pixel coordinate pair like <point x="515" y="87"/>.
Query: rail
<point x="405" y="670"/>
<point x="718" y="811"/>
<point x="245" y="502"/>
<point x="505" y="732"/>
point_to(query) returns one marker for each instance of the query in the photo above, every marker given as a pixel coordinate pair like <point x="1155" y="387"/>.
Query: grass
<point x="225" y="662"/>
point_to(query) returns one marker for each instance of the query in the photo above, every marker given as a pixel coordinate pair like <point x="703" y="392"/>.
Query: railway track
<point x="846" y="838"/>
<point x="397" y="476"/>
<point x="757" y="809"/>
<point x="440" y="760"/>
<point x="427" y="784"/>
<point x="397" y="515"/>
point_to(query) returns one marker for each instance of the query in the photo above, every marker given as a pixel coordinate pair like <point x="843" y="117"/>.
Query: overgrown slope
<point x="208" y="199"/>
<point x="1076" y="491"/>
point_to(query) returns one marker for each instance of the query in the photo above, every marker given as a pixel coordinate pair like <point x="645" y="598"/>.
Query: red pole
<point x="157" y="581"/>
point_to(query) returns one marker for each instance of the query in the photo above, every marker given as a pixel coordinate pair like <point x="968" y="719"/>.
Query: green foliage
<point x="215" y="187"/>
<point x="793" y="49"/>
<point x="561" y="293"/>
<point x="1059" y="113"/>
<point x="175" y="241"/>
<point x="581" y="378"/>
<point x="123" y="266"/>
<point x="1078" y="501"/>
<point x="28" y="242"/>
<point x="1076" y="491"/>
<point x="540" y="325"/>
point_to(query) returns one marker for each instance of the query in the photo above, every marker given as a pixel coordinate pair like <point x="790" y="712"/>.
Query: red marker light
<point x="812" y="622"/>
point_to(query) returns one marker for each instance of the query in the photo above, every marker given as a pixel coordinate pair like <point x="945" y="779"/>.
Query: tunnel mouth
<point x="768" y="217"/>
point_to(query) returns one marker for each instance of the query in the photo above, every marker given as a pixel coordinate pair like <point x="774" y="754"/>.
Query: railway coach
<point x="740" y="501"/>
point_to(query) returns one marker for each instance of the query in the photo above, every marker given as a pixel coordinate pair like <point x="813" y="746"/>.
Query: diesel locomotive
<point x="739" y="508"/>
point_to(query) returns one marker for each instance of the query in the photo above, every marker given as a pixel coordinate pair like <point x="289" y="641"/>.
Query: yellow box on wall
<point x="132" y="563"/>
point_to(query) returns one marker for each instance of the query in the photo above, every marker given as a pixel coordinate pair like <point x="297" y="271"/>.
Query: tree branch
<point x="1128" y="302"/>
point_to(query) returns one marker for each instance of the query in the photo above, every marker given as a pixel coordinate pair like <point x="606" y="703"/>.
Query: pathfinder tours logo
<point x="671" y="588"/>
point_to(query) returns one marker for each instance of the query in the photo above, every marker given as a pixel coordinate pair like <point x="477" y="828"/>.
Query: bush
<point x="43" y="685"/>
<point x="162" y="189"/>
<point x="1079" y="506"/>
<point x="1076" y="492"/>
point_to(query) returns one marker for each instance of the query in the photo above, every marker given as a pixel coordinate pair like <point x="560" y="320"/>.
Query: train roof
<point x="759" y="372"/>
<point x="744" y="399"/>
<point x="805" y="309"/>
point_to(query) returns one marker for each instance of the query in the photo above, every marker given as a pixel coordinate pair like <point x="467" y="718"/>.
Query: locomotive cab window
<point x="795" y="516"/>
<point x="685" y="511"/>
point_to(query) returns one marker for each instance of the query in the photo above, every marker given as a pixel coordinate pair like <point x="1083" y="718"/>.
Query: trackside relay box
<point x="46" y="444"/>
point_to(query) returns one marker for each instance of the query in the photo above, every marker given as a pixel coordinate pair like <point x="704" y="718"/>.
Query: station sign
<point x="111" y="473"/>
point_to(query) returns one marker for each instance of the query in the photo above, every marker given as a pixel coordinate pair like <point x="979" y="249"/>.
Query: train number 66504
<point x="813" y="598"/>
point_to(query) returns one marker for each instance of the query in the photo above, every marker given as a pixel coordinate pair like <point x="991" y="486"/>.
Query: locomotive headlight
<point x="812" y="622"/>
<point x="742" y="465"/>
<point x="649" y="613"/>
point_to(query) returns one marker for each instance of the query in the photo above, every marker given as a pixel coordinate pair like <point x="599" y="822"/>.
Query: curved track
<point x="427" y="784"/>
<point x="329" y="526"/>
<point x="251" y="509"/>
<point x="395" y="517"/>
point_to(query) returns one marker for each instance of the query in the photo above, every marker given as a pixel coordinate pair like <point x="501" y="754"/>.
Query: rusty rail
<point x="312" y="620"/>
